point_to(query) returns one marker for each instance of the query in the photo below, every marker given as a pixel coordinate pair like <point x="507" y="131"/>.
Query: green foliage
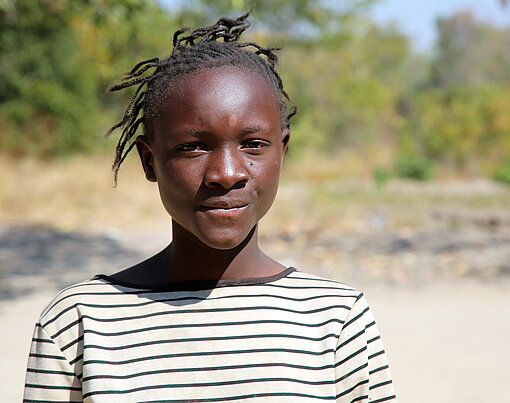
<point x="357" y="85"/>
<point x="412" y="166"/>
<point x="470" y="53"/>
<point x="381" y="176"/>
<point x="459" y="116"/>
<point x="282" y="18"/>
<point x="459" y="127"/>
<point x="346" y="89"/>
<point x="502" y="173"/>
<point x="39" y="95"/>
<point x="57" y="58"/>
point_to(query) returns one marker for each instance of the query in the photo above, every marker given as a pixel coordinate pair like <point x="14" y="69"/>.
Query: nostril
<point x="227" y="170"/>
<point x="227" y="182"/>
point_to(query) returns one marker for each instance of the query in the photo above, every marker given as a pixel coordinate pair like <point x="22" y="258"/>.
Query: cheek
<point x="177" y="185"/>
<point x="268" y="182"/>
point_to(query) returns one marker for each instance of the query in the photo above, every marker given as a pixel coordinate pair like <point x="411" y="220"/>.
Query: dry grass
<point x="338" y="164"/>
<point x="77" y="193"/>
<point x="321" y="191"/>
<point x="316" y="191"/>
<point x="320" y="218"/>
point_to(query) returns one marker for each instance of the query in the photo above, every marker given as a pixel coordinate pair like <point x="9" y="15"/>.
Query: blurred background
<point x="397" y="180"/>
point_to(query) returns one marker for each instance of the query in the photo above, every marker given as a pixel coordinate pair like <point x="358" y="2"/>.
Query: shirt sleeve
<point x="50" y="376"/>
<point x="361" y="368"/>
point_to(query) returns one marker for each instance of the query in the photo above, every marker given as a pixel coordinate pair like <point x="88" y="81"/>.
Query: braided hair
<point x="199" y="49"/>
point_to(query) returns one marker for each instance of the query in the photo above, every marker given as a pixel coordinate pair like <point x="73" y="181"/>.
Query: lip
<point x="223" y="205"/>
<point x="224" y="208"/>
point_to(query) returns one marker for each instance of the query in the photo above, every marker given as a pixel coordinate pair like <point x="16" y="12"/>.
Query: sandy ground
<point x="447" y="340"/>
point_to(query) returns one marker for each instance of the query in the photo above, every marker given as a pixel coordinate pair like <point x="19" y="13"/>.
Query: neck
<point x="188" y="259"/>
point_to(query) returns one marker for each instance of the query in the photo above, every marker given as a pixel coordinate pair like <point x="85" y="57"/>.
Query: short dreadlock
<point x="200" y="49"/>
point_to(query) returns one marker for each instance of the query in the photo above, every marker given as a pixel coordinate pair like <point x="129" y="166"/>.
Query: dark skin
<point x="216" y="152"/>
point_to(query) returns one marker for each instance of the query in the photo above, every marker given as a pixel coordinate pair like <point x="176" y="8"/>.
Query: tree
<point x="470" y="53"/>
<point x="57" y="59"/>
<point x="287" y="19"/>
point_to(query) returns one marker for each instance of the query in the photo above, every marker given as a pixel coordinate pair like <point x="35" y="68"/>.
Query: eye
<point x="191" y="147"/>
<point x="255" y="144"/>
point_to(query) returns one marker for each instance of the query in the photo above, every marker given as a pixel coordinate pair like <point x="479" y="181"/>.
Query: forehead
<point x="209" y="94"/>
<point x="226" y="82"/>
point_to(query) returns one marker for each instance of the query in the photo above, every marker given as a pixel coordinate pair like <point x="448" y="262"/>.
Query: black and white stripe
<point x="289" y="337"/>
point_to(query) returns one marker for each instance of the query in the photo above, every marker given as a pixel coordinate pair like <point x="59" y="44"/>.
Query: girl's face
<point x="216" y="153"/>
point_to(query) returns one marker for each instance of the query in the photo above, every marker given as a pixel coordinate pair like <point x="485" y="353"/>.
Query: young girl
<point x="211" y="318"/>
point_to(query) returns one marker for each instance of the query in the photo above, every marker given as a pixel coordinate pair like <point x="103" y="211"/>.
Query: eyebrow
<point x="203" y="133"/>
<point x="254" y="129"/>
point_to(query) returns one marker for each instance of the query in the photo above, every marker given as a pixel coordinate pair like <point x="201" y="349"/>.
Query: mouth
<point x="223" y="208"/>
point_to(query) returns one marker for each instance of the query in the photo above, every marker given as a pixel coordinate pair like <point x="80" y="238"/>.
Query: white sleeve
<point x="50" y="377"/>
<point x="361" y="368"/>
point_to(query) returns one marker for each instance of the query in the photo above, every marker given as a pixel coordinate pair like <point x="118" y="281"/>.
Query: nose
<point x="227" y="169"/>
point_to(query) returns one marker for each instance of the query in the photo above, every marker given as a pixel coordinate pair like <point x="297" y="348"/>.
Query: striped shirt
<point x="285" y="338"/>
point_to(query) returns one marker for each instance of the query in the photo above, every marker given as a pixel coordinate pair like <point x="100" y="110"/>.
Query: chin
<point x="225" y="240"/>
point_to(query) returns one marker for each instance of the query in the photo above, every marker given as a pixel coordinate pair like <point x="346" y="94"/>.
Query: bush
<point x="412" y="166"/>
<point x="381" y="175"/>
<point x="502" y="173"/>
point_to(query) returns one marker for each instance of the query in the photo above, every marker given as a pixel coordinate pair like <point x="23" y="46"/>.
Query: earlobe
<point x="145" y="153"/>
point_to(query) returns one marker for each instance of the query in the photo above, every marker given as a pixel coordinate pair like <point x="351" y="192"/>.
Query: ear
<point x="145" y="153"/>
<point x="285" y="140"/>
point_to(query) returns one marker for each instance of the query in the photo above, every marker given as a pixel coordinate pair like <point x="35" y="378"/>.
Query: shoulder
<point x="314" y="280"/>
<point x="303" y="280"/>
<point x="65" y="306"/>
<point x="308" y="286"/>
